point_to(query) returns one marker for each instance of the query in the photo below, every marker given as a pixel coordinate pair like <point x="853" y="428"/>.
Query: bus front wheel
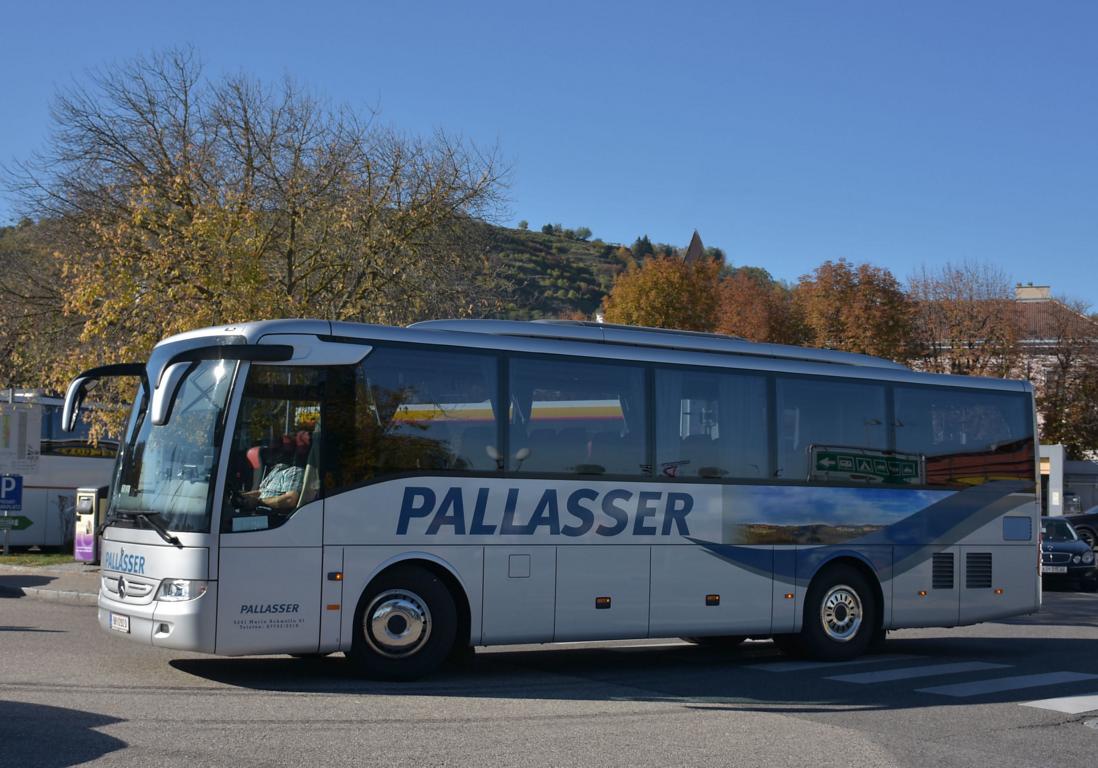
<point x="405" y="625"/>
<point x="840" y="615"/>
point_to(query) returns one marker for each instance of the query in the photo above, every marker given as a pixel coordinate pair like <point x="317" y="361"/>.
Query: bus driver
<point x="281" y="488"/>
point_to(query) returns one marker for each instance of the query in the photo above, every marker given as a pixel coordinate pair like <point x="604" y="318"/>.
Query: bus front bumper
<point x="187" y="625"/>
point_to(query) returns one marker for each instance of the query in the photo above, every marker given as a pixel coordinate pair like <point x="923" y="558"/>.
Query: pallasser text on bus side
<point x="612" y="512"/>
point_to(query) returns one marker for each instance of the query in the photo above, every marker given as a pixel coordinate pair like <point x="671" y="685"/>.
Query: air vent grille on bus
<point x="942" y="574"/>
<point x="978" y="570"/>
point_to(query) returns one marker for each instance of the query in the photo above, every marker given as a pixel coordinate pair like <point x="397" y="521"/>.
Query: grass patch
<point x="36" y="558"/>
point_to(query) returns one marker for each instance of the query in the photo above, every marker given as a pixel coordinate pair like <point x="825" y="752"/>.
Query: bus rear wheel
<point x="840" y="615"/>
<point x="405" y="625"/>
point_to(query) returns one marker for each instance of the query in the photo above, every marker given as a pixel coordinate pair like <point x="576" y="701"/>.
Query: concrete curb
<point x="69" y="584"/>
<point x="63" y="596"/>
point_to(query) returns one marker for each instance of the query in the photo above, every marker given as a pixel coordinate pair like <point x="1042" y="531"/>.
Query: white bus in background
<point x="402" y="494"/>
<point x="52" y="464"/>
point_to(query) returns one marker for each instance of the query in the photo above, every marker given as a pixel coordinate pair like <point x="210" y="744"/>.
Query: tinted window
<point x="75" y="443"/>
<point x="418" y="410"/>
<point x="710" y="425"/>
<point x="577" y="417"/>
<point x="843" y="419"/>
<point x="966" y="436"/>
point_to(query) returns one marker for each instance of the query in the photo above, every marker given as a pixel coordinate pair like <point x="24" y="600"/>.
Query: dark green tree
<point x="642" y="248"/>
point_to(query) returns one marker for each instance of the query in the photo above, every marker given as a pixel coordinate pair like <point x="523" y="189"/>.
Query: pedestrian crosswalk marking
<point x="804" y="666"/>
<point x="1072" y="705"/>
<point x="998" y="685"/>
<point x="907" y="673"/>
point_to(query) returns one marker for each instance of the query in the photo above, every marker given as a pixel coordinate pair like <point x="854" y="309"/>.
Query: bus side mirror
<point x="78" y="388"/>
<point x="163" y="397"/>
<point x="74" y="398"/>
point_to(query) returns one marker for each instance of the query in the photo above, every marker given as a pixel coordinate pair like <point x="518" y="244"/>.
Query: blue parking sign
<point x="11" y="493"/>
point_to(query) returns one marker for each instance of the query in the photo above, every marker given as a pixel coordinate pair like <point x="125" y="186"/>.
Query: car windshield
<point x="1057" y="530"/>
<point x="168" y="469"/>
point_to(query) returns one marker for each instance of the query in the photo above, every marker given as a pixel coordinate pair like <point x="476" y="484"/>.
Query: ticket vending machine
<point x="91" y="508"/>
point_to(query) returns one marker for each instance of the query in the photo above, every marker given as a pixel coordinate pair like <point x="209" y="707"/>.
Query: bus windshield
<point x="169" y="469"/>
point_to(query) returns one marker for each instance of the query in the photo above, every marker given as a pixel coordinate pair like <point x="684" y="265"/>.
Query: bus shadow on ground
<point x="30" y="735"/>
<point x="691" y="676"/>
<point x="11" y="585"/>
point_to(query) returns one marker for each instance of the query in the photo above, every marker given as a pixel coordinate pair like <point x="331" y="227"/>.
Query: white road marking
<point x="798" y="666"/>
<point x="605" y="644"/>
<point x="1072" y="705"/>
<point x="962" y="690"/>
<point x="926" y="670"/>
<point x="647" y="646"/>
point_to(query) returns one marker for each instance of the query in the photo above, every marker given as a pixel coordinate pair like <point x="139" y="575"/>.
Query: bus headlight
<point x="181" y="589"/>
<point x="1088" y="557"/>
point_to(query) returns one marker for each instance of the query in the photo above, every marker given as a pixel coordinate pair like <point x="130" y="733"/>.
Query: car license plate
<point x="1054" y="569"/>
<point x="120" y="623"/>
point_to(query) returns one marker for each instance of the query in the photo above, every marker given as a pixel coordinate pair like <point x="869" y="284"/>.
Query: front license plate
<point x="1054" y="569"/>
<point x="120" y="623"/>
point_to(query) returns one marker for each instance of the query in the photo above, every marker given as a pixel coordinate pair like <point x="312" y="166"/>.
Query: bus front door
<point x="270" y="561"/>
<point x="269" y="583"/>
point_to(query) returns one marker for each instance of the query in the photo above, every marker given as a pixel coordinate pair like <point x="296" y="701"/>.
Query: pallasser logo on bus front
<point x="258" y="608"/>
<point x="605" y="513"/>
<point x="120" y="561"/>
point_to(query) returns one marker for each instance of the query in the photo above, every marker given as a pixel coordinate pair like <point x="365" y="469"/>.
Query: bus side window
<point x="835" y="413"/>
<point x="710" y="425"/>
<point x="415" y="410"/>
<point x="577" y="417"/>
<point x="965" y="437"/>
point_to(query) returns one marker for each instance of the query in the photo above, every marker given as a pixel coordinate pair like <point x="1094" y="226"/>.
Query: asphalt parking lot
<point x="1020" y="692"/>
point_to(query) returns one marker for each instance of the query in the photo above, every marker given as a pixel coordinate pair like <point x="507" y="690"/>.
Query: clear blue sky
<point x="787" y="133"/>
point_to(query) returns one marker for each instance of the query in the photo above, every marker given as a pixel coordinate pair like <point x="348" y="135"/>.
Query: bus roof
<point x="605" y="341"/>
<point x="628" y="335"/>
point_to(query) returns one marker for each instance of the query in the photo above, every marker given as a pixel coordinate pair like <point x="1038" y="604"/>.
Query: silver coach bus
<point x="403" y="494"/>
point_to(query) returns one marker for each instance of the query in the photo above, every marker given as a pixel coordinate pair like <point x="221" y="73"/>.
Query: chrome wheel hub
<point x="841" y="613"/>
<point x="397" y="623"/>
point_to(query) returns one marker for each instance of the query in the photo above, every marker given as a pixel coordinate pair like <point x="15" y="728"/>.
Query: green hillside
<point x="553" y="274"/>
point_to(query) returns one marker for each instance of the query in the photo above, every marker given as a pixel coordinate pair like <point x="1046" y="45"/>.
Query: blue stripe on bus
<point x="911" y="540"/>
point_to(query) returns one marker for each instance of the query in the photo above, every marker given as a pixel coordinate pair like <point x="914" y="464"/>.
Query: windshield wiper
<point x="149" y="518"/>
<point x="111" y="517"/>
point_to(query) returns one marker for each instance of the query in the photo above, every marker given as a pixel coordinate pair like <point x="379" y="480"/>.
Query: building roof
<point x="1049" y="320"/>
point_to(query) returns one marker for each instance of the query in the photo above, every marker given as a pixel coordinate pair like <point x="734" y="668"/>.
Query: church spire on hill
<point x="695" y="251"/>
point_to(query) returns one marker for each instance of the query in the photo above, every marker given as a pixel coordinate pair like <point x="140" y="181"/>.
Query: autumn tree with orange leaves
<point x="856" y="309"/>
<point x="756" y="307"/>
<point x="666" y="292"/>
